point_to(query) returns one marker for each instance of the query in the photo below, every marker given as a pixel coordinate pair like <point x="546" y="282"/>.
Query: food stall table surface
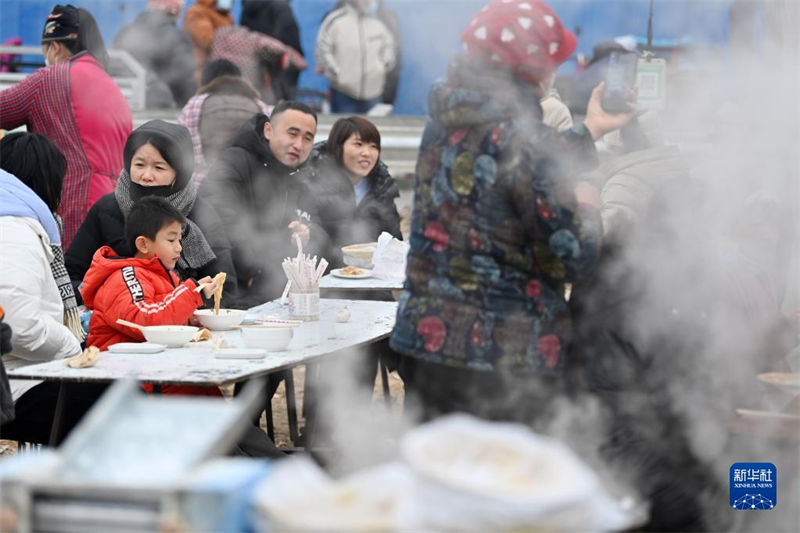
<point x="370" y="321"/>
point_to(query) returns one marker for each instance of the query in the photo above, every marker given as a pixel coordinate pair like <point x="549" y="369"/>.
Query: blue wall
<point x="430" y="28"/>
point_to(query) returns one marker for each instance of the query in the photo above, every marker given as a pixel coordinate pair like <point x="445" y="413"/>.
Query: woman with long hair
<point x="76" y="104"/>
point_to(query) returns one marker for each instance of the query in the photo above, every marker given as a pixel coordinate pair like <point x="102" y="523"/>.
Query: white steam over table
<point x="370" y="321"/>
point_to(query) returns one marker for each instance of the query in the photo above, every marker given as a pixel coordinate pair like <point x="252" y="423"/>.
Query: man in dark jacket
<point x="164" y="50"/>
<point x="262" y="203"/>
<point x="276" y="19"/>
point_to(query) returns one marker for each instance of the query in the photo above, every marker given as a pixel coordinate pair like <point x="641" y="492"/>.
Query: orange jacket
<point x="142" y="291"/>
<point x="201" y="22"/>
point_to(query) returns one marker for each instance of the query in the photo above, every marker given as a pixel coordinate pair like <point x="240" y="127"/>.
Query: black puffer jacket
<point x="343" y="220"/>
<point x="105" y="225"/>
<point x="257" y="197"/>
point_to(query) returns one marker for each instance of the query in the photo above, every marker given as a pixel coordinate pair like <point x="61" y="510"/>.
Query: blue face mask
<point x="224" y="5"/>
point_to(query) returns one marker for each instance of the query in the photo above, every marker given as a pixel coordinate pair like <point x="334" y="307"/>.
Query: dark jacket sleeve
<point x="214" y="231"/>
<point x="377" y="212"/>
<point x="225" y="189"/>
<point x="103" y="225"/>
<point x="319" y="238"/>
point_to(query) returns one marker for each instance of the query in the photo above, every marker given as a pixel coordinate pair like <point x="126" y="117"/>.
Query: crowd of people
<point x="162" y="208"/>
<point x="511" y="212"/>
<point x="357" y="49"/>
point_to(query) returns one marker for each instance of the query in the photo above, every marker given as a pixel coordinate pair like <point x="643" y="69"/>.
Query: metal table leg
<point x="291" y="406"/>
<point x="55" y="429"/>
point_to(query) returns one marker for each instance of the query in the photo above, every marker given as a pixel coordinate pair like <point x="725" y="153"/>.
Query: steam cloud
<point x="713" y="296"/>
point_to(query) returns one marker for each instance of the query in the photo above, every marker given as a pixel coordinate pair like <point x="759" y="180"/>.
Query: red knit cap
<point x="525" y="35"/>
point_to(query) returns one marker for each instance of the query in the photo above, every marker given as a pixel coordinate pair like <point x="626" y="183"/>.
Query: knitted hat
<point x="62" y="23"/>
<point x="173" y="142"/>
<point x="524" y="35"/>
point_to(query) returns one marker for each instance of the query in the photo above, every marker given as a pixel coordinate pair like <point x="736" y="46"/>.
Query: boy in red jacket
<point x="143" y="289"/>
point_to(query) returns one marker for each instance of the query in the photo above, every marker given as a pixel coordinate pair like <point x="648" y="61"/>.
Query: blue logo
<point x="753" y="486"/>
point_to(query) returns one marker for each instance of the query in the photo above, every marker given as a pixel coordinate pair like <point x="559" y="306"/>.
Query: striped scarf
<point x="72" y="317"/>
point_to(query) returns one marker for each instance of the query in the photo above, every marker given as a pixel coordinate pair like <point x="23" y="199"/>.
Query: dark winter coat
<point x="162" y="48"/>
<point x="343" y="220"/>
<point x="496" y="229"/>
<point x="257" y="197"/>
<point x="274" y="18"/>
<point x="105" y="225"/>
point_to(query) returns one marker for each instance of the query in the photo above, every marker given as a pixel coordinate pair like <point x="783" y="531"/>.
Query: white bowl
<point x="170" y="336"/>
<point x="359" y="255"/>
<point x="270" y="338"/>
<point x="224" y="320"/>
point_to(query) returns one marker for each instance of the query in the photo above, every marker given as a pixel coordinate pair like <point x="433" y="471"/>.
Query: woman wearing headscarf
<point x="35" y="292"/>
<point x="159" y="161"/>
<point x="76" y="104"/>
<point x="352" y="187"/>
<point x="500" y="224"/>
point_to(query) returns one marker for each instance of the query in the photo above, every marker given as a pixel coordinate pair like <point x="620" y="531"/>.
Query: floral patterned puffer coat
<point x="496" y="229"/>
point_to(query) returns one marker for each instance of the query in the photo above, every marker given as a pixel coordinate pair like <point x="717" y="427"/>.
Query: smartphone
<point x="620" y="80"/>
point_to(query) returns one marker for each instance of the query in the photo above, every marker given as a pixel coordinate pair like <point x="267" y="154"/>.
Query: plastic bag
<point x="389" y="259"/>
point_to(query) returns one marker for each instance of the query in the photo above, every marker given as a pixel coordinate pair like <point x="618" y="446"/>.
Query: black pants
<point x="434" y="390"/>
<point x="35" y="410"/>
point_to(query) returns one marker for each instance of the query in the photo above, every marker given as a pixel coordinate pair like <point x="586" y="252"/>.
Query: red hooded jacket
<point x="141" y="291"/>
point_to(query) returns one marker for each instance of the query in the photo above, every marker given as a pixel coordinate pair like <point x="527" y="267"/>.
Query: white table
<point x="334" y="283"/>
<point x="370" y="322"/>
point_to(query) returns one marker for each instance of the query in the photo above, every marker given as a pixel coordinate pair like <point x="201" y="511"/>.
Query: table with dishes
<point x="343" y="325"/>
<point x="337" y="282"/>
<point x="201" y="363"/>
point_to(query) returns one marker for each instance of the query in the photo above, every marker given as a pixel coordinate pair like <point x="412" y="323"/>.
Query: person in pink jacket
<point x="76" y="104"/>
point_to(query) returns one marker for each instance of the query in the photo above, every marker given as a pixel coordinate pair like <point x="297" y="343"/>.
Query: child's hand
<point x="211" y="286"/>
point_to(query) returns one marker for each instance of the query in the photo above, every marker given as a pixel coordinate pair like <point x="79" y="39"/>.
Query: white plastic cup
<point x="304" y="305"/>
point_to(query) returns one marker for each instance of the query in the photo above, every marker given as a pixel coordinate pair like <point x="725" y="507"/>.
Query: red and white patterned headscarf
<point x="524" y="35"/>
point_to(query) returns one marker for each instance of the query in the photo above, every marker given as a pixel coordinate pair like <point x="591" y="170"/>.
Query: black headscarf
<point x="174" y="143"/>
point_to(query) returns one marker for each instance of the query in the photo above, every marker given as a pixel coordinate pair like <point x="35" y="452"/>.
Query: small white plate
<point x="240" y="353"/>
<point x="136" y="347"/>
<point x="337" y="272"/>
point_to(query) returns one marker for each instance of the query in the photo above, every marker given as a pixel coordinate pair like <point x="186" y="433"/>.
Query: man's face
<point x="291" y="136"/>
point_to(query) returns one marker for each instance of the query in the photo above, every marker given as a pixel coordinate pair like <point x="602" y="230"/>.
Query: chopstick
<point x="129" y="324"/>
